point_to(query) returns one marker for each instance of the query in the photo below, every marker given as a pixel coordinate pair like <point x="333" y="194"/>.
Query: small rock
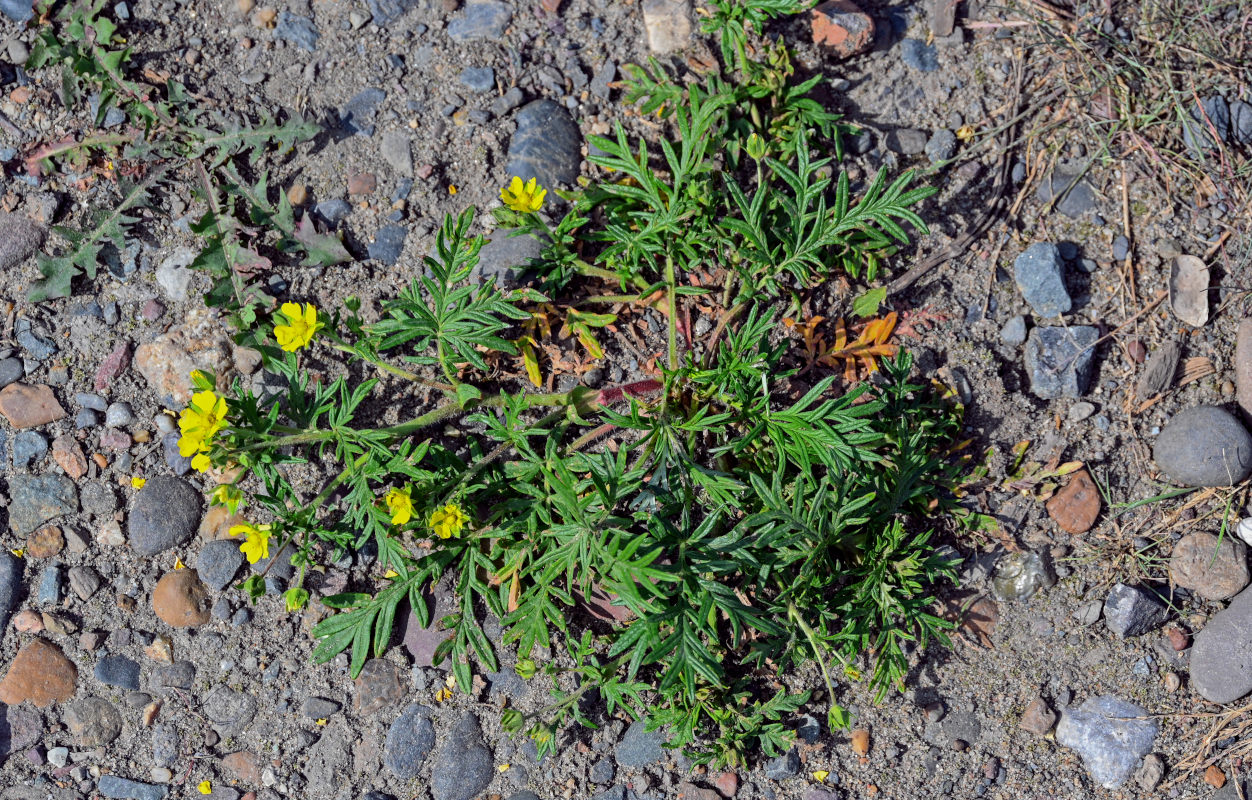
<point x="1121" y="248"/>
<point x="503" y="104"/>
<point x="842" y="27"/>
<point x="1241" y="121"/>
<point x="1158" y="373"/>
<point x="114" y="364"/>
<point x="1150" y="773"/>
<point x="1210" y="123"/>
<point x="218" y="562"/>
<point x="36" y="499"/>
<point x="860" y="741"/>
<point x="245" y="765"/>
<point x="26" y="406"/>
<point x="1132" y="611"/>
<point x="1079" y="200"/>
<point x="300" y="31"/>
<point x="918" y="55"/>
<point x="478" y="79"/>
<point x="174" y="274"/>
<point x="11" y="371"/>
<point x="668" y="24"/>
<point x="40" y="673"/>
<point x="602" y="771"/>
<point x="1204" y="446"/>
<point x="1221" y="657"/>
<point x="482" y="20"/>
<point x="1075" y="508"/>
<point x="388" y="244"/>
<point x="1212" y="567"/>
<point x="119" y="415"/>
<point x="784" y="766"/>
<point x="1018" y="576"/>
<point x="10" y="586"/>
<point x="475" y="766"/>
<point x="118" y="670"/>
<point x="1110" y="734"/>
<point x="117" y="788"/>
<point x="941" y="146"/>
<point x="726" y="783"/>
<point x="1038" y="718"/>
<point x="506" y="258"/>
<point x="1060" y="360"/>
<point x="689" y="791"/>
<point x="319" y="708"/>
<point x="179" y="675"/>
<point x="547" y="145"/>
<point x="398" y="153"/>
<point x="197" y="342"/>
<point x="84" y="581"/>
<point x="229" y="711"/>
<point x="809" y="729"/>
<point x="181" y="600"/>
<point x="45" y="542"/>
<point x="1080" y="411"/>
<point x="50" y="585"/>
<point x="93" y="721"/>
<point x="409" y="741"/>
<point x="907" y="141"/>
<point x="20" y="237"/>
<point x="386" y="12"/>
<point x="29" y="448"/>
<point x="166" y="514"/>
<point x="1040" y="275"/>
<point x="639" y="747"/>
<point x="1214" y="776"/>
<point x="356" y="117"/>
<point x="377" y="686"/>
<point x="69" y="456"/>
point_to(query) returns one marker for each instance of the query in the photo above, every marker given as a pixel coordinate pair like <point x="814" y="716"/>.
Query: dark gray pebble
<point x="409" y="741"/>
<point x="478" y="79"/>
<point x="388" y="244"/>
<point x="1040" y="275"/>
<point x="11" y="371"/>
<point x="179" y="464"/>
<point x="118" y="670"/>
<point x="482" y="20"/>
<point x="1133" y="611"/>
<point x="918" y="55"/>
<point x="1060" y="360"/>
<point x="639" y="747"/>
<point x="117" y="788"/>
<point x="51" y="585"/>
<point x="166" y="514"/>
<point x="475" y="766"/>
<point x="1074" y="203"/>
<point x="300" y="31"/>
<point x="1204" y="446"/>
<point x="357" y="117"/>
<point x="29" y="448"/>
<point x="35" y="499"/>
<point x="546" y="145"/>
<point x="218" y="562"/>
<point x="386" y="12"/>
<point x="179" y="675"/>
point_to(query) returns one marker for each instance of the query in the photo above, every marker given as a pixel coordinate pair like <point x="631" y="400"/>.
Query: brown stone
<point x="1214" y="776"/>
<point x="245" y="765"/>
<point x="843" y="27"/>
<point x="1213" y="567"/>
<point x="1038" y="718"/>
<point x="27" y="621"/>
<point x="39" y="673"/>
<point x="1178" y="638"/>
<point x="1076" y="507"/>
<point x="981" y="619"/>
<point x="94" y="721"/>
<point x="377" y="687"/>
<point x="297" y="194"/>
<point x="362" y="183"/>
<point x="180" y="599"/>
<point x="45" y="542"/>
<point x="26" y="406"/>
<point x="860" y="741"/>
<point x="114" y="364"/>
<point x="67" y="453"/>
<point x="726" y="783"/>
<point x="689" y="791"/>
<point x="218" y="521"/>
<point x="167" y="361"/>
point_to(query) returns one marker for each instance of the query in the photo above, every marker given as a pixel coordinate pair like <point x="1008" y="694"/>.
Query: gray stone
<point x="1211" y="117"/>
<point x="961" y="724"/>
<point x="1241" y="121"/>
<point x="478" y="79"/>
<point x="166" y="514"/>
<point x="1074" y="203"/>
<point x="409" y="741"/>
<point x="333" y="211"/>
<point x="86" y="418"/>
<point x="1080" y="411"/>
<point x="475" y="766"/>
<point x="282" y="570"/>
<point x="506" y="258"/>
<point x="602" y="771"/>
<point x="118" y="670"/>
<point x="17" y="10"/>
<point x="35" y="499"/>
<point x="785" y="766"/>
<point x="1018" y="576"/>
<point x="1040" y="275"/>
<point x="119" y="415"/>
<point x="11" y="371"/>
<point x="1060" y="360"/>
<point x="93" y="721"/>
<point x="907" y="141"/>
<point x="1132" y="611"/>
<point x="357" y="117"/>
<point x="386" y="12"/>
<point x="1221" y="655"/>
<point x="174" y="275"/>
<point x="300" y="31"/>
<point x="37" y="347"/>
<point x="179" y="464"/>
<point x="483" y="20"/>
<point x="1213" y="567"/>
<point x="1204" y="446"/>
<point x="179" y="675"/>
<point x="941" y="146"/>
<point x="29" y="448"/>
<point x="218" y="562"/>
<point x="1121" y="247"/>
<point x="229" y="711"/>
<point x="125" y="789"/>
<point x="20" y="237"/>
<point x="10" y="587"/>
<point x="50" y="585"/>
<point x="319" y="708"/>
<point x="809" y="729"/>
<point x="508" y="101"/>
<point x="397" y="152"/>
<point x="388" y="244"/>
<point x="640" y="747"/>
<point x="98" y="499"/>
<point x="918" y="55"/>
<point x="667" y="24"/>
<point x="546" y="145"/>
<point x="1158" y="372"/>
<point x="603" y="76"/>
<point x="1110" y="734"/>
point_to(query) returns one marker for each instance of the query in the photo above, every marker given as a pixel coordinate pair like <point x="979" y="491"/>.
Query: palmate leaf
<point x="108" y="226"/>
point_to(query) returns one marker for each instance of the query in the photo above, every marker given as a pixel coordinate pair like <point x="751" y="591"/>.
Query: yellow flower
<point x="524" y="198"/>
<point x="400" y="505"/>
<point x="138" y="482"/>
<point x="227" y="495"/>
<point x="199" y="423"/>
<point x="205" y="787"/>
<point x="257" y="545"/>
<point x="448" y="521"/>
<point x="300" y="325"/>
<point x="821" y="775"/>
<point x="295" y="598"/>
<point x="178" y="563"/>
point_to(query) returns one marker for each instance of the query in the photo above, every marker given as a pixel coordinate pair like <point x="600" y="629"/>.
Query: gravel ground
<point x="1072" y="673"/>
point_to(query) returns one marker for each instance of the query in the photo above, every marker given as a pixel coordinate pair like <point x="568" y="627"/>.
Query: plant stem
<point x="794" y="614"/>
<point x="671" y="290"/>
<point x="385" y="367"/>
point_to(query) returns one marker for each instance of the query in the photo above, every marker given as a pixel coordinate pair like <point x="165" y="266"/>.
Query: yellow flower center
<point x="448" y="521"/>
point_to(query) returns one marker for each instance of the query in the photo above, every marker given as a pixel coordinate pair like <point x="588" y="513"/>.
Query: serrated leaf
<point x="321" y="249"/>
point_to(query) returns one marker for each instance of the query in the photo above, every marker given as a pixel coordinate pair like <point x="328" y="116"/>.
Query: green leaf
<point x="868" y="303"/>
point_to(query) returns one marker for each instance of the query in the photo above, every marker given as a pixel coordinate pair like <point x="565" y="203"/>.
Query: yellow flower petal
<point x="820" y="775"/>
<point x="205" y="787"/>
<point x="138" y="482"/>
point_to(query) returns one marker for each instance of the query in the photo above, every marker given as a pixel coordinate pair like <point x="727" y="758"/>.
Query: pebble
<point x="1215" y="568"/>
<point x="1158" y="372"/>
<point x="668" y="25"/>
<point x="1040" y="275"/>
<point x="1221" y="656"/>
<point x="1077" y="202"/>
<point x="86" y="419"/>
<point x="178" y="463"/>
<point x="1060" y="360"/>
<point x="397" y="151"/>
<point x="941" y="146"/>
<point x="1204" y="446"/>
<point x="180" y="599"/>
<point x="907" y="141"/>
<point x="1014" y="331"/>
<point x="11" y="370"/>
<point x="785" y="766"/>
<point x="1211" y="117"/>
<point x="602" y="771"/>
<point x="229" y="711"/>
<point x="94" y="721"/>
<point x="1080" y="411"/>
<point x="918" y="55"/>
<point x="179" y="675"/>
<point x="40" y="673"/>
<point x="464" y="747"/>
<point x="113" y="365"/>
<point x="547" y="145"/>
<point x="119" y="415"/>
<point x="165" y="514"/>
<point x="10" y="585"/>
<point x="639" y="747"/>
<point x="1110" y="734"/>
<point x="377" y="687"/>
<point x="505" y="258"/>
<point x="478" y="79"/>
<point x="388" y="244"/>
<point x="165" y="744"/>
<point x="508" y="101"/>
<point x="409" y="741"/>
<point x="1076" y="507"/>
<point x="809" y="729"/>
<point x="332" y="211"/>
<point x="218" y="562"/>
<point x="319" y="708"/>
<point x="1019" y="576"/>
<point x="36" y="499"/>
<point x="29" y="447"/>
<point x="842" y="27"/>
<point x="117" y="788"/>
<point x="860" y="741"/>
<point x="1038" y="718"/>
<point x="36" y="347"/>
<point x="174" y="276"/>
<point x="357" y="117"/>
<point x="26" y="406"/>
<point x="300" y="31"/>
<point x="118" y="670"/>
<point x="20" y="237"/>
<point x="1133" y="611"/>
<point x="386" y="12"/>
<point x="1121" y="248"/>
<point x="483" y="20"/>
<point x="50" y="585"/>
<point x="1241" y="121"/>
<point x="58" y="756"/>
<point x="84" y="582"/>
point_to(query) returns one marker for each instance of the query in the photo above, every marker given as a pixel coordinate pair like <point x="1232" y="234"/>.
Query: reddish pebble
<point x="152" y="310"/>
<point x="1214" y="776"/>
<point x="842" y="27"/>
<point x="1178" y="639"/>
<point x="362" y="183"/>
<point x="425" y="171"/>
<point x="726" y="783"/>
<point x="1076" y="507"/>
<point x="1137" y="351"/>
<point x="115" y="440"/>
<point x="112" y="366"/>
<point x="27" y="622"/>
